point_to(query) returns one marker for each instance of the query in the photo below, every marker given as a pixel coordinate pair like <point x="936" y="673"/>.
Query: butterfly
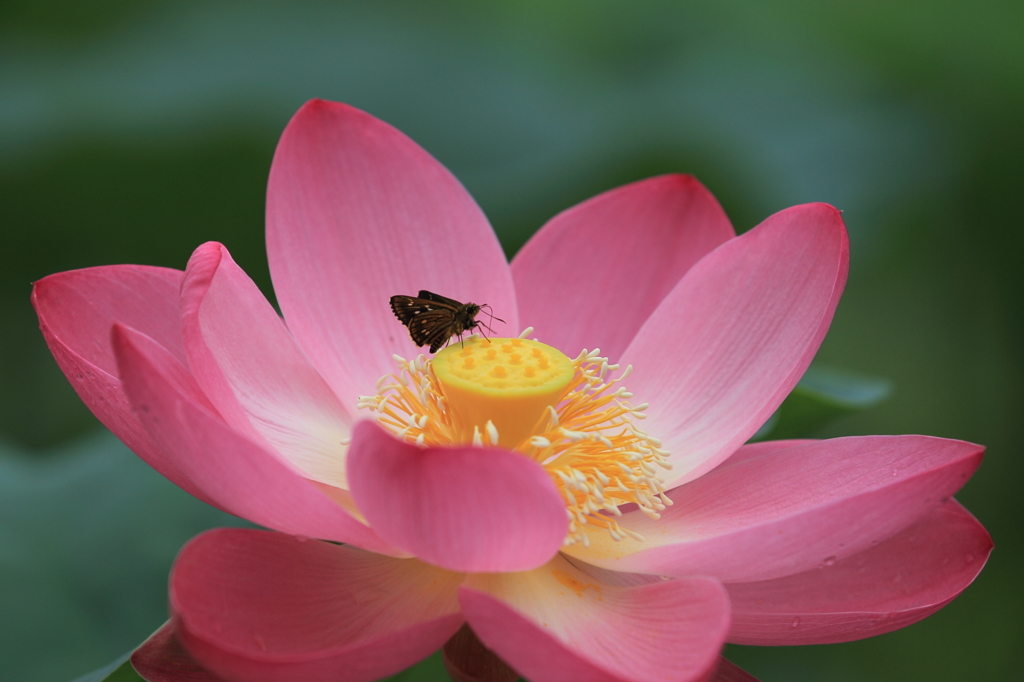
<point x="433" y="319"/>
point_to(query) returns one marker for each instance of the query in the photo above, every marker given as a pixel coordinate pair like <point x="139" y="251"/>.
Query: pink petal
<point x="791" y="510"/>
<point x="728" y="671"/>
<point x="886" y="587"/>
<point x="76" y="311"/>
<point x="255" y="606"/>
<point x="594" y="273"/>
<point x="80" y="306"/>
<point x="356" y="213"/>
<point x="248" y="364"/>
<point x="461" y="508"/>
<point x="161" y="658"/>
<point x="239" y="475"/>
<point x="732" y="339"/>
<point x="557" y="623"/>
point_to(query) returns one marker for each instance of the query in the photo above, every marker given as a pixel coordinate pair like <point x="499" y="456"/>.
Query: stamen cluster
<point x="587" y="442"/>
<point x="590" y="444"/>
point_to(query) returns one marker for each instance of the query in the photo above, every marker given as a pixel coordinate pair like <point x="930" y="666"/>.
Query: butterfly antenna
<point x="487" y="309"/>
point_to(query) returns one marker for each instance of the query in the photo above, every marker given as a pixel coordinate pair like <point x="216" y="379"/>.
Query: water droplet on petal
<point x="969" y="558"/>
<point x="664" y="577"/>
<point x="796" y="622"/>
<point x="829" y="561"/>
<point x="302" y="538"/>
<point x="895" y="472"/>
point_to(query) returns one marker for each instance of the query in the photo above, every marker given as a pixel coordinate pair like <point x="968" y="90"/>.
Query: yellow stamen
<point x="529" y="397"/>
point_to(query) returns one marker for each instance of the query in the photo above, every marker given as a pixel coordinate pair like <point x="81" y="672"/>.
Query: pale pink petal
<point x="558" y="624"/>
<point x="256" y="606"/>
<point x="356" y="213"/>
<point x="883" y="588"/>
<point x="76" y="310"/>
<point x="249" y="365"/>
<point x="791" y="510"/>
<point x="728" y="344"/>
<point x="239" y="475"/>
<point x="728" y="671"/>
<point x="595" y="272"/>
<point x="462" y="508"/>
<point x="466" y="659"/>
<point x="161" y="658"/>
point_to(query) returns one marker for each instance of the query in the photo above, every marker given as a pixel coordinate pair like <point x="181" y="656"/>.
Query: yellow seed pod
<point x="509" y="382"/>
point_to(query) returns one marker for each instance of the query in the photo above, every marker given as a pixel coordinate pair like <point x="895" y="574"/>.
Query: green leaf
<point x="430" y="669"/>
<point x="120" y="670"/>
<point x="823" y="395"/>
<point x="88" y="536"/>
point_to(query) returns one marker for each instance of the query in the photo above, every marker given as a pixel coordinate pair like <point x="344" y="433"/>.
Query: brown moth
<point x="433" y="319"/>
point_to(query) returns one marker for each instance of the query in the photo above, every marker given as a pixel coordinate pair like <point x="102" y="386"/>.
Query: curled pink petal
<point x="239" y="475"/>
<point x="791" y="510"/>
<point x="558" y="624"/>
<point x="614" y="258"/>
<point x="255" y="606"/>
<point x="461" y="508"/>
<point x="80" y="306"/>
<point x="732" y="339"/>
<point x="76" y="310"/>
<point x="883" y="588"/>
<point x="161" y="658"/>
<point x="248" y="364"/>
<point x="356" y="213"/>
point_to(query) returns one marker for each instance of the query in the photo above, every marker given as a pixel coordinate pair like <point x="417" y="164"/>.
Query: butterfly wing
<point x="438" y="298"/>
<point x="429" y="321"/>
<point x="439" y="336"/>
<point x="432" y="327"/>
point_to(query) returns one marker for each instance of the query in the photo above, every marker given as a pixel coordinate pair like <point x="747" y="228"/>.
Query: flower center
<point x="508" y="382"/>
<point x="567" y="415"/>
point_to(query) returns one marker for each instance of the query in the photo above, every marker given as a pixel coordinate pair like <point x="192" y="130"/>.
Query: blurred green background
<point x="131" y="132"/>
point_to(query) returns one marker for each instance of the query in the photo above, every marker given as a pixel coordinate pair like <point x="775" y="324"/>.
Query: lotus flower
<point x="574" y="544"/>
